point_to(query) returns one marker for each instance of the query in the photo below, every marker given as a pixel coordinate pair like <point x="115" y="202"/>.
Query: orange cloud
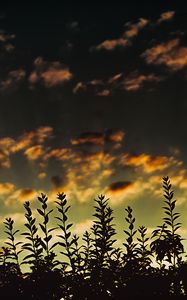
<point x="99" y="138"/>
<point x="115" y="78"/>
<point x="169" y="54"/>
<point x="104" y="93"/>
<point x="21" y="195"/>
<point x="148" y="163"/>
<point x="6" y="188"/>
<point x="4" y="160"/>
<point x="96" y="138"/>
<point x="29" y="142"/>
<point x="135" y="81"/>
<point x="166" y="16"/>
<point x="133" y="29"/>
<point x="49" y="73"/>
<point x="60" y="154"/>
<point x="112" y="44"/>
<point x="34" y="152"/>
<point x="12" y="81"/>
<point x="32" y="137"/>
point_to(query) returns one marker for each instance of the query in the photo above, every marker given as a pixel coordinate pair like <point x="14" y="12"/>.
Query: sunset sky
<point x="93" y="100"/>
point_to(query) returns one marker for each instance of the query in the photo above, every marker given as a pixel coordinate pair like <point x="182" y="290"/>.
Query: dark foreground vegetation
<point x="96" y="269"/>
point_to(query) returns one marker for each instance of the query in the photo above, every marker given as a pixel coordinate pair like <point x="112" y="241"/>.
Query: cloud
<point x="119" y="192"/>
<point x="73" y="26"/>
<point x="170" y="54"/>
<point x="42" y="175"/>
<point x="112" y="44"/>
<point x="104" y="93"/>
<point x="4" y="160"/>
<point x="131" y="83"/>
<point x="30" y="142"/>
<point x="20" y="196"/>
<point x="120" y="185"/>
<point x="148" y="163"/>
<point x="6" y="41"/>
<point x="61" y="154"/>
<point x="166" y="16"/>
<point x="6" y="188"/>
<point x="12" y="81"/>
<point x="58" y="181"/>
<point x="115" y="78"/>
<point x="99" y="138"/>
<point x="39" y="136"/>
<point x="83" y="226"/>
<point x="80" y="86"/>
<point x="135" y="80"/>
<point x="50" y="74"/>
<point x="34" y="152"/>
<point x="133" y="30"/>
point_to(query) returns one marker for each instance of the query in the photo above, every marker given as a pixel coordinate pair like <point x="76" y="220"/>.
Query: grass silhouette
<point x="96" y="269"/>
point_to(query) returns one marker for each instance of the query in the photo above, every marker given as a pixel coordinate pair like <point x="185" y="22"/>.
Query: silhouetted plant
<point x="12" y="244"/>
<point x="144" y="254"/>
<point x="168" y="243"/>
<point x="50" y="255"/>
<point x="33" y="244"/>
<point x="103" y="231"/>
<point x="95" y="269"/>
<point x="131" y="254"/>
<point x="68" y="242"/>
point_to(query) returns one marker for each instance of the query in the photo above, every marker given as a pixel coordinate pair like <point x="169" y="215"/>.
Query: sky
<point x="93" y="101"/>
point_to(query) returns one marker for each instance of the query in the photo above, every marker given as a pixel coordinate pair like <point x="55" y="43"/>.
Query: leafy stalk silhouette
<point x="45" y="242"/>
<point x="131" y="247"/>
<point x="68" y="242"/>
<point x="103" y="231"/>
<point x="33" y="244"/>
<point x="95" y="269"/>
<point x="12" y="244"/>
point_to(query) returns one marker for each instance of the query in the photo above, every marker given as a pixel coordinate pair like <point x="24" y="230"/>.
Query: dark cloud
<point x="12" y="81"/>
<point x="57" y="181"/>
<point x="119" y="185"/>
<point x="99" y="138"/>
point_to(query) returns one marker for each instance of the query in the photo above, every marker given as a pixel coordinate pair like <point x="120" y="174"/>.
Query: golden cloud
<point x="99" y="138"/>
<point x="148" y="163"/>
<point x="60" y="154"/>
<point x="12" y="81"/>
<point x="6" y="188"/>
<point x="169" y="54"/>
<point x="20" y="196"/>
<point x="136" y="80"/>
<point x="34" y="152"/>
<point x="166" y="16"/>
<point x="32" y="137"/>
<point x="50" y="74"/>
<point x="133" y="29"/>
<point x="112" y="44"/>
